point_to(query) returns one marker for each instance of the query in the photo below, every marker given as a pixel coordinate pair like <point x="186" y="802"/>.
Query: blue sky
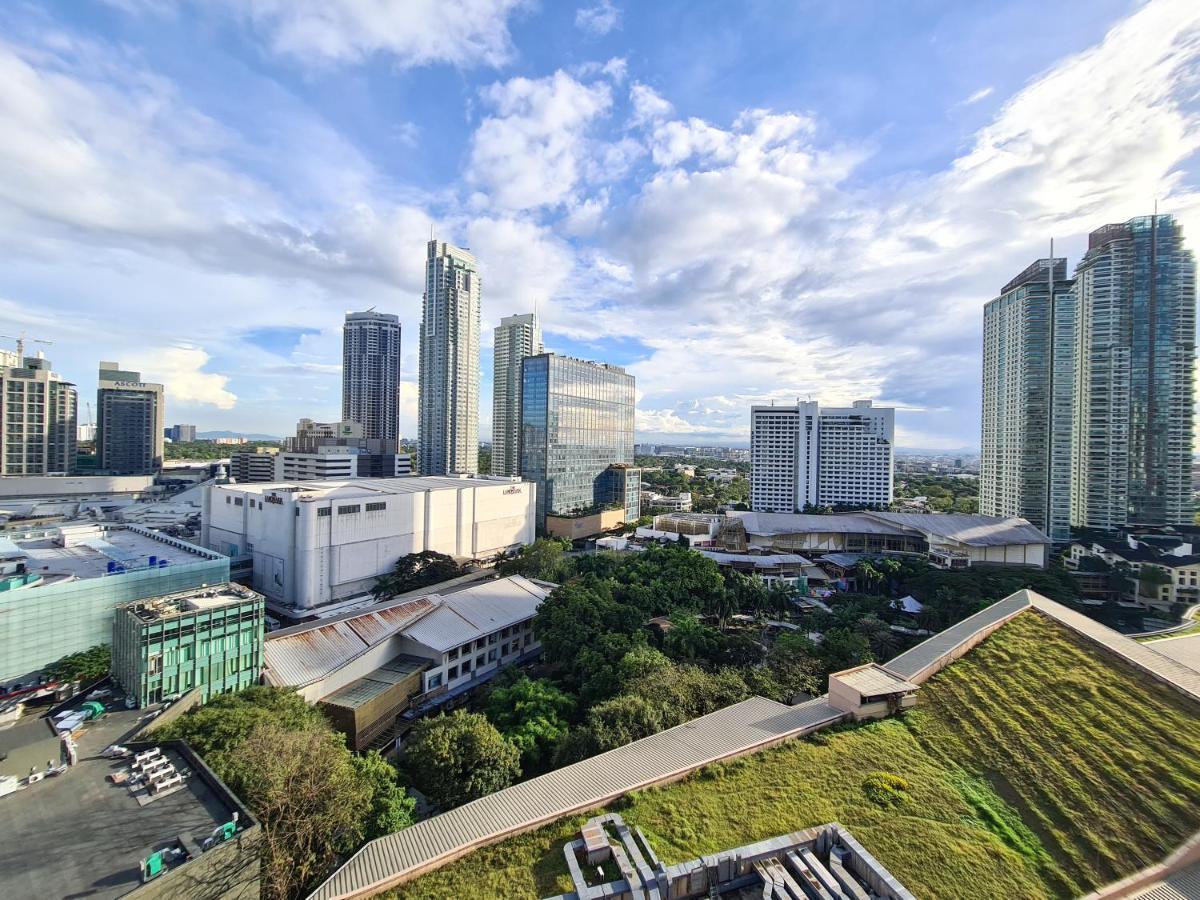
<point x="738" y="201"/>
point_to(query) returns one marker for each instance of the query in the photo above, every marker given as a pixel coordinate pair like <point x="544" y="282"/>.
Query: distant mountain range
<point x="212" y="435"/>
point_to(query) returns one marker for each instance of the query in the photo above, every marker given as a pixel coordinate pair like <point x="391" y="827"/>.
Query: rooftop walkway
<point x="740" y="728"/>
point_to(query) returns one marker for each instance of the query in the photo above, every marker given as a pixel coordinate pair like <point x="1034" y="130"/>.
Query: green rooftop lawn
<point x="1036" y="766"/>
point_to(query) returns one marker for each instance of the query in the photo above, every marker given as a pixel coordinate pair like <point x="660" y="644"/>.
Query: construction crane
<point x="20" y="339"/>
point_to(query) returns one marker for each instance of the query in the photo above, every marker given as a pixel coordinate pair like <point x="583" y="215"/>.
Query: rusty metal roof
<point x="304" y="655"/>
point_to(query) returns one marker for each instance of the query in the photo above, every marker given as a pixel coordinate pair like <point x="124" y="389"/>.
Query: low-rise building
<point x="59" y="587"/>
<point x="209" y="639"/>
<point x="681" y="503"/>
<point x="948" y="541"/>
<point x="311" y="543"/>
<point x="697" y="529"/>
<point x="263" y="465"/>
<point x="254" y="464"/>
<point x="1177" y="579"/>
<point x="390" y="663"/>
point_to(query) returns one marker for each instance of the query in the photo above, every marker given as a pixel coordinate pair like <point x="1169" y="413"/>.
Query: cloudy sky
<point x="738" y="201"/>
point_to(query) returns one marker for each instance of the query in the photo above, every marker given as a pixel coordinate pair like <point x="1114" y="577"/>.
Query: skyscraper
<point x="515" y="338"/>
<point x="448" y="418"/>
<point x="38" y="418"/>
<point x="371" y="373"/>
<point x="806" y="455"/>
<point x="577" y="435"/>
<point x="129" y="427"/>
<point x="1135" y="358"/>
<point x="1028" y="366"/>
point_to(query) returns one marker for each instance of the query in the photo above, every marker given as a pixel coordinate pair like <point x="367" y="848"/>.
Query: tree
<point x="86" y="665"/>
<point x="577" y="616"/>
<point x="216" y="729"/>
<point x="867" y="572"/>
<point x="779" y="598"/>
<point x="532" y="714"/>
<point x="459" y="757"/>
<point x="747" y="592"/>
<point x="544" y="559"/>
<point x="415" y="571"/>
<point x="688" y="639"/>
<point x="303" y="787"/>
<point x="613" y="723"/>
<point x="841" y="649"/>
<point x="879" y="636"/>
<point x="240" y="734"/>
<point x="390" y="808"/>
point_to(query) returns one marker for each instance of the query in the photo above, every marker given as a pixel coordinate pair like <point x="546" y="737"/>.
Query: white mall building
<point x="316" y="542"/>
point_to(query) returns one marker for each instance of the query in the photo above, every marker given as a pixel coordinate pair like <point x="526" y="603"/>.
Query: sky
<point x="738" y="202"/>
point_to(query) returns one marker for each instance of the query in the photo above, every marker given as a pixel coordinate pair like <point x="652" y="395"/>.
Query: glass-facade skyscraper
<point x="448" y="386"/>
<point x="371" y="374"/>
<point x="1135" y="349"/>
<point x="1028" y="353"/>
<point x="515" y="338"/>
<point x="577" y="421"/>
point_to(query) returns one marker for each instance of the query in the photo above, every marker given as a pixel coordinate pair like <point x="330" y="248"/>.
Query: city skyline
<point x="630" y="196"/>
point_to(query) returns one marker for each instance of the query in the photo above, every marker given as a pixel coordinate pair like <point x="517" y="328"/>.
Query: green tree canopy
<point x="533" y="714"/>
<point x="86" y="665"/>
<point x="305" y="789"/>
<point x="459" y="757"/>
<point x="415" y="571"/>
<point x="544" y="559"/>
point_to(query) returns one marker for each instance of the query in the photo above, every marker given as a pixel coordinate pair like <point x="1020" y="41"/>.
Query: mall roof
<point x="319" y="489"/>
<point x="763" y="523"/>
<point x="974" y="530"/>
<point x="129" y="546"/>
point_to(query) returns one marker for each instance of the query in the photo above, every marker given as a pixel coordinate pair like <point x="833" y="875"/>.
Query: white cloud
<point x="181" y="372"/>
<point x="982" y="94"/>
<point x="599" y="19"/>
<point x="410" y="32"/>
<point x="530" y="152"/>
<point x="648" y="104"/>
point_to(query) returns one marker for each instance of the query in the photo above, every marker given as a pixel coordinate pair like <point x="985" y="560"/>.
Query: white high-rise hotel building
<point x="516" y="338"/>
<point x="804" y="455"/>
<point x="371" y="373"/>
<point x="448" y="417"/>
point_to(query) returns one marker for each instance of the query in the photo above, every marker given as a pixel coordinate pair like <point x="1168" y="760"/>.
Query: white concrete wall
<point x="308" y="559"/>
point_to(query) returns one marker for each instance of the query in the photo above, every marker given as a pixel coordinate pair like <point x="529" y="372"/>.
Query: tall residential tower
<point x="371" y="374"/>
<point x="448" y="418"/>
<point x="1135" y="360"/>
<point x="38" y="418"/>
<point x="1028" y="353"/>
<point x="516" y="338"/>
<point x="129" y="425"/>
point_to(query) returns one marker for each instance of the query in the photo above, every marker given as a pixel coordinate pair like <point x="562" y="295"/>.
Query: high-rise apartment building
<point x="448" y="388"/>
<point x="181" y="434"/>
<point x="805" y="455"/>
<point x="129" y="425"/>
<point x="515" y="338"/>
<point x="38" y="418"/>
<point x="1135" y="357"/>
<point x="1028" y="366"/>
<point x="371" y="373"/>
<point x="577" y="435"/>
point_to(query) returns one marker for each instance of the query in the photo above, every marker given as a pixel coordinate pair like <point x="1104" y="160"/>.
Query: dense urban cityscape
<point x="802" y="656"/>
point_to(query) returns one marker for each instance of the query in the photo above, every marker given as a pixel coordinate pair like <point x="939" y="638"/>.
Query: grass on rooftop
<point x="1034" y="767"/>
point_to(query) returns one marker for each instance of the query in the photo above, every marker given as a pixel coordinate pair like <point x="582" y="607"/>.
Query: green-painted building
<point x="210" y="639"/>
<point x="60" y="584"/>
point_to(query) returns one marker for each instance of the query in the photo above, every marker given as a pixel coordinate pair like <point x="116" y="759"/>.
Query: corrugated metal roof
<point x="973" y="530"/>
<point x="872" y="679"/>
<point x="371" y="686"/>
<point x="479" y="610"/>
<point x="766" y="524"/>
<point x="1181" y="885"/>
<point x="304" y="655"/>
<point x="584" y="785"/>
<point x="929" y="651"/>
<point x="756" y="559"/>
